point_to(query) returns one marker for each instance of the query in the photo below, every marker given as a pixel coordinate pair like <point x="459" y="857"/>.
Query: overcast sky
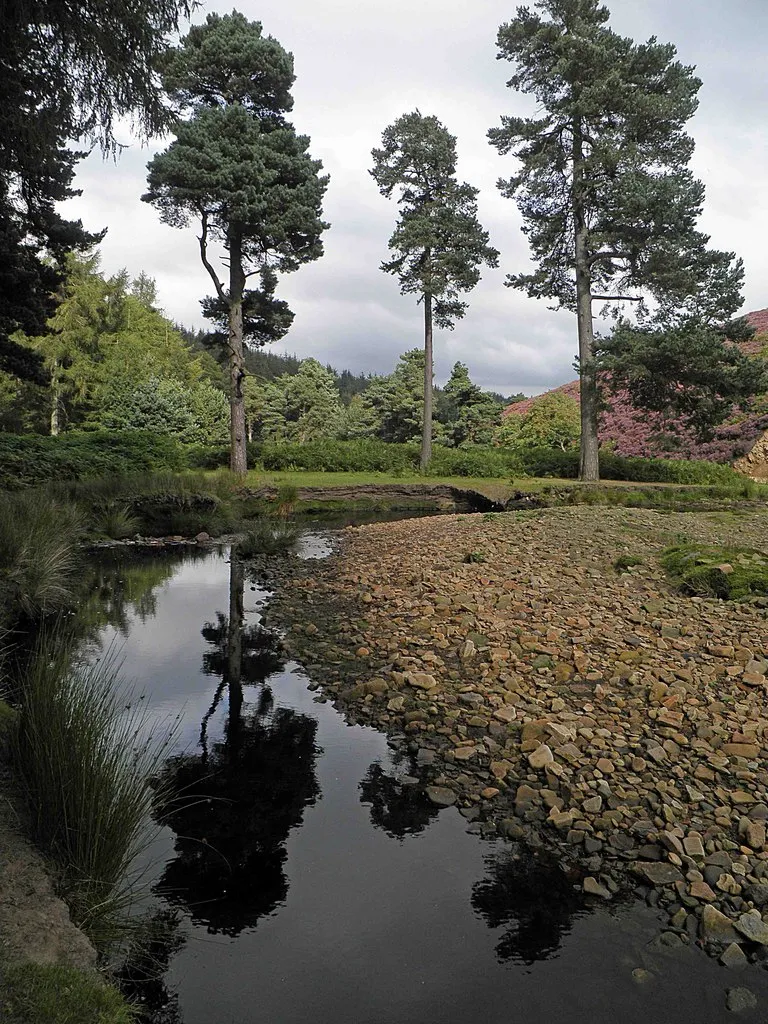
<point x="359" y="65"/>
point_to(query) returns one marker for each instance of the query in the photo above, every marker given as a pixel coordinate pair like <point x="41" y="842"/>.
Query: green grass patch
<point x="733" y="574"/>
<point x="268" y="537"/>
<point x="50" y="994"/>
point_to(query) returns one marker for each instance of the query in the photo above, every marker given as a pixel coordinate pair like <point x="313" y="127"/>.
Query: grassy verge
<point x="557" y="491"/>
<point x="51" y="994"/>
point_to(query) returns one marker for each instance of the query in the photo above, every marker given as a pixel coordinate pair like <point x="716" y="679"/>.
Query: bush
<point x="206" y="456"/>
<point x="544" y="462"/>
<point x="365" y="455"/>
<point x="268" y="537"/>
<point x="475" y="461"/>
<point x="30" y="459"/>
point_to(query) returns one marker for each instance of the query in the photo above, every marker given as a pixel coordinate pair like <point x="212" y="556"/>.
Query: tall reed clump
<point x="84" y="753"/>
<point x="268" y="536"/>
<point x="39" y="557"/>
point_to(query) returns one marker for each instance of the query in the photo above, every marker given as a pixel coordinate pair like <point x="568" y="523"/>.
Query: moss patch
<point x="49" y="994"/>
<point x="729" y="573"/>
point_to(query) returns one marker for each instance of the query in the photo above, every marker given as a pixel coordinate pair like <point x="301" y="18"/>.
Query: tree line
<point x="601" y="178"/>
<point x="115" y="361"/>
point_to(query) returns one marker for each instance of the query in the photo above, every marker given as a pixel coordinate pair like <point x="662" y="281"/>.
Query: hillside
<point x="637" y="432"/>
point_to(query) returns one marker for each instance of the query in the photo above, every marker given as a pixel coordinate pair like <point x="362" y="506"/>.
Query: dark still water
<point x="312" y="882"/>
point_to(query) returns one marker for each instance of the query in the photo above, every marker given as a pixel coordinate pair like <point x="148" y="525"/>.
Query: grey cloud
<point x="359" y="67"/>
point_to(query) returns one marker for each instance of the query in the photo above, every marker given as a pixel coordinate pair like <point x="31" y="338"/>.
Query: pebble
<point x="753" y="928"/>
<point x="541" y="756"/>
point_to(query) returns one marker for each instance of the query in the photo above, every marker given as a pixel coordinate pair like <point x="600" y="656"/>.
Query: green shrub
<point x="475" y="461"/>
<point x="544" y="462"/>
<point x="475" y="558"/>
<point x="30" y="459"/>
<point x="366" y="455"/>
<point x="369" y="455"/>
<point x="84" y="756"/>
<point x="206" y="456"/>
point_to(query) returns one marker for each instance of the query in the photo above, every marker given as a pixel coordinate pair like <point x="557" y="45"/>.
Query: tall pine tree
<point x="603" y="185"/>
<point x="239" y="169"/>
<point x="439" y="244"/>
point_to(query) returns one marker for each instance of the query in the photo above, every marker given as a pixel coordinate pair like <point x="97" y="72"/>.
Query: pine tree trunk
<point x="237" y="452"/>
<point x="589" y="465"/>
<point x="55" y="402"/>
<point x="426" y="430"/>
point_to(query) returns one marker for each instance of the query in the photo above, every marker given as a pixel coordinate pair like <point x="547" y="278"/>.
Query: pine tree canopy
<point x="611" y="135"/>
<point x="438" y="244"/>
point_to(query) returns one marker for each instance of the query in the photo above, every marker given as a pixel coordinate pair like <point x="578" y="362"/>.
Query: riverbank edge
<point x="40" y="945"/>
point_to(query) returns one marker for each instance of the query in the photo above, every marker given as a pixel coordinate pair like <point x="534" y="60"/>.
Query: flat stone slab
<point x="659" y="873"/>
<point x="441" y="796"/>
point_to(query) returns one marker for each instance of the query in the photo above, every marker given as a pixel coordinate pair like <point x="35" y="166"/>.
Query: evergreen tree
<point x="604" y="189"/>
<point x="356" y="420"/>
<point x="67" y="72"/>
<point x="690" y="372"/>
<point x="394" y="402"/>
<point x="239" y="169"/>
<point x="103" y="342"/>
<point x="312" y="403"/>
<point x="438" y="245"/>
<point x="474" y="414"/>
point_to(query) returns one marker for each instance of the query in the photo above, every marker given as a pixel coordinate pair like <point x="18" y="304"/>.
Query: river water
<point x="309" y="879"/>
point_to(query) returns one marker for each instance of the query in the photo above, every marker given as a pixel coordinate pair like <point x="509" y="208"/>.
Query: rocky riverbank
<point x="556" y="699"/>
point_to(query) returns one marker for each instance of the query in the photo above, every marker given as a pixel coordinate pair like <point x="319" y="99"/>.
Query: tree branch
<point x="607" y="254"/>
<point x="618" y="298"/>
<point x="203" y="240"/>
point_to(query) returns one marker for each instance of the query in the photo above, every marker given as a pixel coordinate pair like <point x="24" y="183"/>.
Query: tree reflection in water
<point x="241" y="795"/>
<point x="529" y="895"/>
<point x="397" y="808"/>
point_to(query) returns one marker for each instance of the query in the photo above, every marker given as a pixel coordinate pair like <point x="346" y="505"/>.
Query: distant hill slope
<point x="630" y="431"/>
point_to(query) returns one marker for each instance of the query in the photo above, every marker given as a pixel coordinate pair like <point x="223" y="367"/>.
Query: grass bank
<point x="552" y="491"/>
<point x="33" y="993"/>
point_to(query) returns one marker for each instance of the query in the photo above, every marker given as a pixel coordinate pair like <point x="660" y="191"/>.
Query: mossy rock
<point x="733" y="574"/>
